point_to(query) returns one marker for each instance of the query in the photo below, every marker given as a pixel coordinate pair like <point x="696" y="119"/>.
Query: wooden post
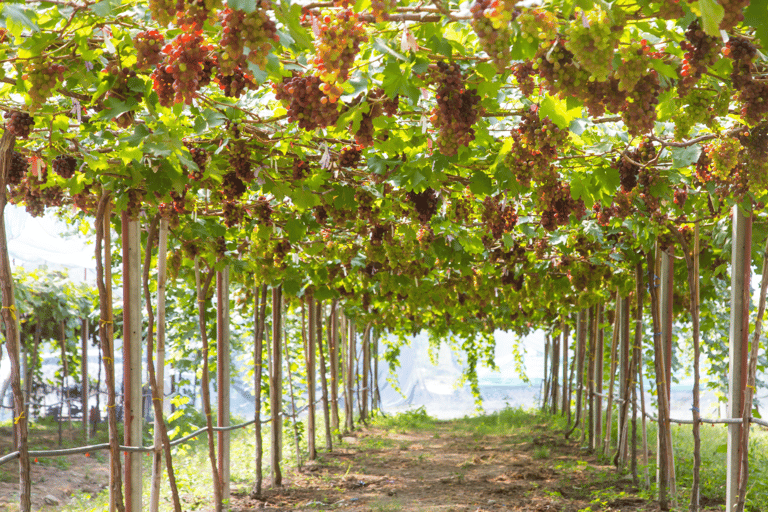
<point x="739" y="340"/>
<point x="612" y="380"/>
<point x="333" y="351"/>
<point x="84" y="391"/>
<point x="323" y="375"/>
<point x="626" y="380"/>
<point x="545" y="379"/>
<point x="566" y="399"/>
<point x="666" y="316"/>
<point x="592" y="337"/>
<point x="599" y="377"/>
<point x="349" y="402"/>
<point x="132" y="336"/>
<point x="223" y="378"/>
<point x="276" y="386"/>
<point x="259" y="320"/>
<point x="366" y="371"/>
<point x="311" y="383"/>
<point x="555" y="373"/>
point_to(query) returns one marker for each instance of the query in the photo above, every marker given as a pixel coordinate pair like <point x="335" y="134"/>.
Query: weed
<point x="541" y="453"/>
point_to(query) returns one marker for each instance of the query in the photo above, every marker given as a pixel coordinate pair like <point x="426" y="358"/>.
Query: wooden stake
<point x="323" y="376"/>
<point x="84" y="389"/>
<point x="276" y="387"/>
<point x="259" y="320"/>
<point x="580" y="348"/>
<point x="132" y="335"/>
<point x="309" y="354"/>
<point x="741" y="260"/>
<point x="223" y="380"/>
<point x="333" y="350"/>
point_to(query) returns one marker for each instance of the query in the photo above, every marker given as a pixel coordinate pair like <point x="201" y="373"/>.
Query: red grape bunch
<point x="240" y="160"/>
<point x="122" y="90"/>
<point x="628" y="169"/>
<point x="524" y="74"/>
<point x="491" y="20"/>
<point x="194" y="13"/>
<point x="456" y="109"/>
<point x="149" y="47"/>
<point x="262" y="210"/>
<point x="498" y="218"/>
<point x="634" y="64"/>
<point x="232" y="187"/>
<point x="378" y="103"/>
<point x="733" y="13"/>
<point x="65" y="166"/>
<point x="19" y="123"/>
<point x="163" y="11"/>
<point x="248" y="35"/>
<point x="425" y="202"/>
<point x="639" y="112"/>
<point x="185" y="62"/>
<point x="535" y="145"/>
<point x="233" y="213"/>
<point x="743" y="53"/>
<point x="200" y="157"/>
<point x="592" y="38"/>
<point x="17" y="169"/>
<point x="701" y="50"/>
<point x="557" y="205"/>
<point x="307" y="104"/>
<point x="350" y="157"/>
<point x="43" y="76"/>
<point x="341" y="34"/>
<point x="237" y="81"/>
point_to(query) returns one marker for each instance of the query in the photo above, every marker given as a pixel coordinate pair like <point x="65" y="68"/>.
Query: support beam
<point x="739" y="340"/>
<point x="223" y="379"/>
<point x="132" y="341"/>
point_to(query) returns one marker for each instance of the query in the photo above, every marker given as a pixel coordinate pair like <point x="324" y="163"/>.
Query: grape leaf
<point x="756" y="15"/>
<point x="711" y="15"/>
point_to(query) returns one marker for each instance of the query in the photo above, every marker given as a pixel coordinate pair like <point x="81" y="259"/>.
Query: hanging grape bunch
<point x="163" y="11"/>
<point x="262" y="210"/>
<point x="537" y="26"/>
<point x="524" y="73"/>
<point x="377" y="104"/>
<point x="755" y="156"/>
<point x="194" y="13"/>
<point x="185" y="59"/>
<point x="307" y="105"/>
<point x="491" y="20"/>
<point x="743" y="54"/>
<point x="246" y="36"/>
<point x="299" y="169"/>
<point x="555" y="64"/>
<point x="701" y="50"/>
<point x="634" y="63"/>
<point x="19" y="123"/>
<point x="592" y="38"/>
<point x="135" y="200"/>
<point x="149" y="47"/>
<point x="43" y="76"/>
<point x="162" y="83"/>
<point x="350" y="157"/>
<point x="240" y="160"/>
<point x="17" y="169"/>
<point x="639" y="113"/>
<point x="557" y="205"/>
<point x="234" y="84"/>
<point x="498" y="218"/>
<point x="425" y="202"/>
<point x="535" y="145"/>
<point x="337" y="42"/>
<point x="232" y="187"/>
<point x="200" y="157"/>
<point x="233" y="214"/>
<point x="456" y="109"/>
<point x="65" y="166"/>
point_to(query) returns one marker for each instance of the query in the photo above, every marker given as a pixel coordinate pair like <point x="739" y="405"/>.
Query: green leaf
<point x="557" y="111"/>
<point x="19" y="16"/>
<point x="105" y="8"/>
<point x="395" y="78"/>
<point x="683" y="157"/>
<point x="242" y="5"/>
<point x="295" y="229"/>
<point x="711" y="15"/>
<point x="382" y="46"/>
<point x="481" y="184"/>
<point x="756" y="15"/>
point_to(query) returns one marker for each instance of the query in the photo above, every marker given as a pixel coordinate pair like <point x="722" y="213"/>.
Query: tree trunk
<point x="156" y="380"/>
<point x="625" y="374"/>
<point x="566" y="402"/>
<point x="636" y="357"/>
<point x="555" y="373"/>
<point x="107" y="336"/>
<point x="599" y="358"/>
<point x="545" y="379"/>
<point x="293" y="404"/>
<point x="11" y="322"/>
<point x="349" y="401"/>
<point x="591" y="326"/>
<point x="276" y="386"/>
<point x="64" y="392"/>
<point x="259" y="321"/>
<point x="202" y="294"/>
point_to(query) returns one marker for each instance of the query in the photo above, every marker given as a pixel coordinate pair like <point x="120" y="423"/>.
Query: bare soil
<point x="442" y="468"/>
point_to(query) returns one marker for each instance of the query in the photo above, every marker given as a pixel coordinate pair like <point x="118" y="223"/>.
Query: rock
<point x="51" y="500"/>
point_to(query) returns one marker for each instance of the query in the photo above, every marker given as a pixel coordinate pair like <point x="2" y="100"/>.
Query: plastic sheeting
<point x="38" y="241"/>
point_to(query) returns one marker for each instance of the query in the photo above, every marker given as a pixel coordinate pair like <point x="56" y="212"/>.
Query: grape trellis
<point x="457" y="167"/>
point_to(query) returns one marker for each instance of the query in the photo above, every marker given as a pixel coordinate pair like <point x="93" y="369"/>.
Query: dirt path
<point x="444" y="469"/>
